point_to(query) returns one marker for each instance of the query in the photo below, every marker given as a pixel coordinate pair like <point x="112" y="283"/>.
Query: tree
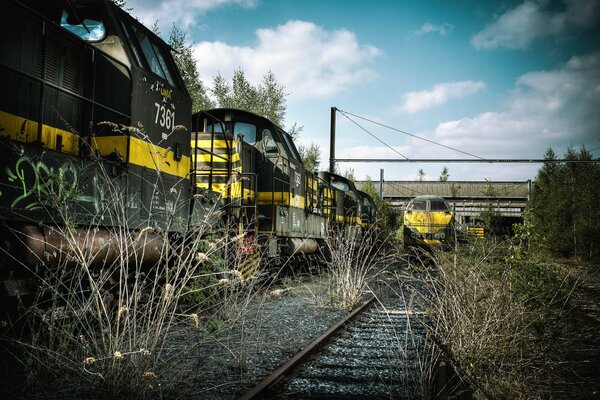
<point x="491" y="217"/>
<point x="184" y="58"/>
<point x="489" y="191"/>
<point x="311" y="156"/>
<point x="444" y="175"/>
<point x="454" y="189"/>
<point x="294" y="131"/>
<point x="271" y="97"/>
<point x="421" y="175"/>
<point x="563" y="215"/>
<point x="122" y="4"/>
<point x="266" y="99"/>
<point x="349" y="174"/>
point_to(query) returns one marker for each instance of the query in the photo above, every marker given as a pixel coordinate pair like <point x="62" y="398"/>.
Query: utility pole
<point x="332" y="141"/>
<point x="381" y="184"/>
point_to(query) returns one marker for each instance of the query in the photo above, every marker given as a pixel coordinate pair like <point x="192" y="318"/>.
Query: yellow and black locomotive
<point x="88" y="92"/>
<point x="428" y="220"/>
<point x="254" y="168"/>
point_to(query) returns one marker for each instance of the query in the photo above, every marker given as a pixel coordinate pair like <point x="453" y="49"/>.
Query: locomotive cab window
<point x="246" y="130"/>
<point x="419" y="205"/>
<point x="156" y="59"/>
<point x="149" y="53"/>
<point x="343" y="186"/>
<point x="290" y="146"/>
<point x="215" y="128"/>
<point x="269" y="143"/>
<point x="85" y="22"/>
<point x="439" y="205"/>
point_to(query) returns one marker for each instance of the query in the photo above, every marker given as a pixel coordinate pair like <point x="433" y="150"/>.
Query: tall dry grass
<point x="486" y="308"/>
<point x="353" y="256"/>
<point x="100" y="331"/>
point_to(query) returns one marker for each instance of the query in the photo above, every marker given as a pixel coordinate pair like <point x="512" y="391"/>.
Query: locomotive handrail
<point x="211" y="152"/>
<point x="253" y="187"/>
<point x="210" y="168"/>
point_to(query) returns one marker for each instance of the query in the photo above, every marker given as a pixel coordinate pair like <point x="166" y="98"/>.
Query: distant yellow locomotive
<point x="428" y="220"/>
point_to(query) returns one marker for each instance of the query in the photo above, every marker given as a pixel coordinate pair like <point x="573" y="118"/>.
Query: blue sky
<point x="494" y="79"/>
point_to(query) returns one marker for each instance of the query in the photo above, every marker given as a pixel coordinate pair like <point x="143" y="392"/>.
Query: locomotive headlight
<point x="440" y="236"/>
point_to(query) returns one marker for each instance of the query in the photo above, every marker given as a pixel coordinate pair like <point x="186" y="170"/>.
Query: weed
<point x="213" y="325"/>
<point x="102" y="312"/>
<point x="354" y="254"/>
<point x="488" y="305"/>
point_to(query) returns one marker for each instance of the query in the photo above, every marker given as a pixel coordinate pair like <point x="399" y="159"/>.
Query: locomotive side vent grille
<point x="71" y="70"/>
<point x="39" y="59"/>
<point x="51" y="61"/>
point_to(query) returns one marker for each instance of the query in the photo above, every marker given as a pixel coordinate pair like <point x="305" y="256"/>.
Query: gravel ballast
<point x="270" y="328"/>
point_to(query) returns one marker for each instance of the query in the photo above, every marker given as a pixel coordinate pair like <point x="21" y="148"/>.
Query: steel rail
<point x="259" y="390"/>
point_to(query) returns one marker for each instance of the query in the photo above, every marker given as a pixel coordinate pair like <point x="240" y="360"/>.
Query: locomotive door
<point x="297" y="189"/>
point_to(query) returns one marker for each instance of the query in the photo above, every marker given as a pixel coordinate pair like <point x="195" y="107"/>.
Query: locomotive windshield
<point x="85" y="22"/>
<point x="343" y="186"/>
<point x="435" y="204"/>
<point x="439" y="205"/>
<point x="418" y="205"/>
<point x="216" y="128"/>
<point x="248" y="131"/>
<point x="244" y="129"/>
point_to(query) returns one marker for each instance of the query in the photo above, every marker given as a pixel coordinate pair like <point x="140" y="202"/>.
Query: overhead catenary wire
<point x="346" y="113"/>
<point x="476" y="158"/>
<point x="594" y="149"/>
<point x="372" y="135"/>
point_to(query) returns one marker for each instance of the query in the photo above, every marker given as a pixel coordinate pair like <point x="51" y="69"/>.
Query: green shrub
<point x="492" y="302"/>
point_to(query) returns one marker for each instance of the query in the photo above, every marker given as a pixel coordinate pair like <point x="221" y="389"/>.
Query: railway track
<point x="376" y="352"/>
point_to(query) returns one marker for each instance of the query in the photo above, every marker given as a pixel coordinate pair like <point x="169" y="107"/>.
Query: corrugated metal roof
<point x="454" y="189"/>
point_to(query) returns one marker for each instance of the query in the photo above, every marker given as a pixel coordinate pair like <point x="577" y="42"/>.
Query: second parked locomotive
<point x="254" y="168"/>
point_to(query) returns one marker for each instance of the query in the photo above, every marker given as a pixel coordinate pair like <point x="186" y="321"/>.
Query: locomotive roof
<point x="223" y="110"/>
<point x="429" y="197"/>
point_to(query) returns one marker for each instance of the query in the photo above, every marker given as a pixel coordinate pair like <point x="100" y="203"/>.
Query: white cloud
<point x="308" y="60"/>
<point x="555" y="108"/>
<point x="184" y="13"/>
<point x="443" y="29"/>
<point x="518" y="27"/>
<point x="546" y="108"/>
<point x="437" y="95"/>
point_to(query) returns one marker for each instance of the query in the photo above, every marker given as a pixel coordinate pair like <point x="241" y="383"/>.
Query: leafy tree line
<point x="564" y="215"/>
<point x="267" y="98"/>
